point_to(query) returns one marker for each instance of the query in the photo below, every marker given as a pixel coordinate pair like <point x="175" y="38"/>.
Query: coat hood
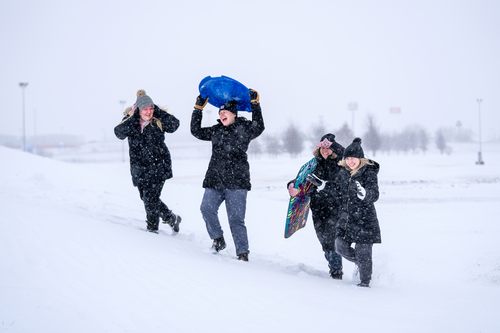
<point x="365" y="163"/>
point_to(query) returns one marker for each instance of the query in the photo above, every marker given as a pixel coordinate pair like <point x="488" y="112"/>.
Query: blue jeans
<point x="236" y="202"/>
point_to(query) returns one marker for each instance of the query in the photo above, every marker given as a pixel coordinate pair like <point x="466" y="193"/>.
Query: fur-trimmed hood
<point x="364" y="162"/>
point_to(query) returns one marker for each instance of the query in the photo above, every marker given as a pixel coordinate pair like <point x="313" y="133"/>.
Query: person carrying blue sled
<point x="228" y="175"/>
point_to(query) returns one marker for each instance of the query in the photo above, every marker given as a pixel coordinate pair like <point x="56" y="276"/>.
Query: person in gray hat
<point x="144" y="125"/>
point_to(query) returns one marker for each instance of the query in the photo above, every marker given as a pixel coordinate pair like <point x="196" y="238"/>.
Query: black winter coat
<point x="228" y="167"/>
<point x="149" y="156"/>
<point x="328" y="198"/>
<point x="358" y="222"/>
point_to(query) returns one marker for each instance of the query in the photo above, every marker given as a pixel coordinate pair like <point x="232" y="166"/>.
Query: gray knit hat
<point x="143" y="100"/>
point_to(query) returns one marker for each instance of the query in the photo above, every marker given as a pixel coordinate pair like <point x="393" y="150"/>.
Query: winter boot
<point x="243" y="256"/>
<point x="219" y="244"/>
<point x="152" y="223"/>
<point x="152" y="227"/>
<point x="335" y="264"/>
<point x="364" y="284"/>
<point x="173" y="221"/>
<point x="336" y="274"/>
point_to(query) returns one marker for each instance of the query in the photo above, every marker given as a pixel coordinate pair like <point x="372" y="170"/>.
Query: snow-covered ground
<point x="74" y="256"/>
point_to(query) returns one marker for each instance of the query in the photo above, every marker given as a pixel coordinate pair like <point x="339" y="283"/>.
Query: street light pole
<point x="122" y="104"/>
<point x="23" y="86"/>
<point x="480" y="153"/>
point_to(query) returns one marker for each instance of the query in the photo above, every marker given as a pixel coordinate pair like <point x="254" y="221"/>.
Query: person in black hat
<point x="145" y="125"/>
<point x="358" y="222"/>
<point x="324" y="198"/>
<point x="228" y="175"/>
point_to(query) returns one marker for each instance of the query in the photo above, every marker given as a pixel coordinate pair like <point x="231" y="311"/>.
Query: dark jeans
<point x="155" y="208"/>
<point x="236" y="201"/>
<point x="361" y="255"/>
<point x="325" y="231"/>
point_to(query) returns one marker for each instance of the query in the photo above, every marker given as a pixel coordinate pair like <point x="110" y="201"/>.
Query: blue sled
<point x="222" y="89"/>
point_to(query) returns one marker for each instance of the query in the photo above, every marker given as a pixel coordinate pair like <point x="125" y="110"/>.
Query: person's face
<point x="147" y="113"/>
<point x="325" y="152"/>
<point x="352" y="162"/>
<point x="227" y="117"/>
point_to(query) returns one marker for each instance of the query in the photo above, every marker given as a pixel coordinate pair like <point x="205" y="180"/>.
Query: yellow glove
<point x="254" y="96"/>
<point x="200" y="102"/>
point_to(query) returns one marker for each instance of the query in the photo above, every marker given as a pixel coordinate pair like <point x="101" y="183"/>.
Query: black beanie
<point x="329" y="136"/>
<point x="231" y="106"/>
<point x="354" y="149"/>
<point x="336" y="147"/>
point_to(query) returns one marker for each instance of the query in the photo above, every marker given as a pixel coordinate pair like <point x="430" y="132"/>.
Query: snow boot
<point x="334" y="264"/>
<point x="243" y="256"/>
<point x="219" y="244"/>
<point x="173" y="221"/>
<point x="152" y="227"/>
<point x="152" y="223"/>
<point x="364" y="284"/>
<point x="336" y="274"/>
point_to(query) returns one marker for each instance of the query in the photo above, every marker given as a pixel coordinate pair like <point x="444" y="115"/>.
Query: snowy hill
<point x="74" y="256"/>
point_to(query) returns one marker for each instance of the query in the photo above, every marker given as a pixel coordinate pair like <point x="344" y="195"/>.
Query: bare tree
<point x="457" y="133"/>
<point x="409" y="138"/>
<point x="255" y="147"/>
<point x="372" y="138"/>
<point x="387" y="142"/>
<point x="344" y="135"/>
<point x="423" y="139"/>
<point x="440" y="141"/>
<point x="400" y="142"/>
<point x="293" y="140"/>
<point x="317" y="131"/>
<point x="272" y="145"/>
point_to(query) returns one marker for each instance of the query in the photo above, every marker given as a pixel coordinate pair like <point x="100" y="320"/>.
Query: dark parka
<point x="228" y="167"/>
<point x="149" y="156"/>
<point x="325" y="203"/>
<point x="325" y="206"/>
<point x="358" y="222"/>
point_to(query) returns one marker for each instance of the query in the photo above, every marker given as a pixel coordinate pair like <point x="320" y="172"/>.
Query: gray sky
<point x="308" y="59"/>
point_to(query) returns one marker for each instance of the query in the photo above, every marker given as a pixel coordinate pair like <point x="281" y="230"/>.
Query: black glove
<point x="254" y="96"/>
<point x="200" y="102"/>
<point x="316" y="181"/>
